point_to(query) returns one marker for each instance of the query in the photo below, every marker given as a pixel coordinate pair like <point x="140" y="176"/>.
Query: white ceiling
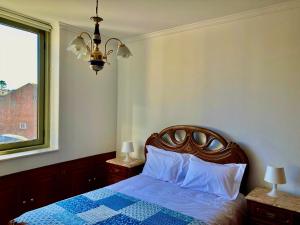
<point x="126" y="18"/>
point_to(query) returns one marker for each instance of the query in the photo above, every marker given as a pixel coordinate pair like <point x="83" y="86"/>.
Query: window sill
<point x="27" y="153"/>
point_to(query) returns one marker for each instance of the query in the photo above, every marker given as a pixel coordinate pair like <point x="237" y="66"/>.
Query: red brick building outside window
<point x="18" y="114"/>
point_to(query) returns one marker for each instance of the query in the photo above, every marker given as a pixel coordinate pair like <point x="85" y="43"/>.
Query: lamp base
<point x="273" y="193"/>
<point x="127" y="158"/>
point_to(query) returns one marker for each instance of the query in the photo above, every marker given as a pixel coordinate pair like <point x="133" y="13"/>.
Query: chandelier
<point x="89" y="51"/>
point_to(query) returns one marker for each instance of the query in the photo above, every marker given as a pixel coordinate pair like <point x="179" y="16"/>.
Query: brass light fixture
<point x="92" y="53"/>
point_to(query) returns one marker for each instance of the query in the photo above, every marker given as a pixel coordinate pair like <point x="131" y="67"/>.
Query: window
<point x="24" y="121"/>
<point x="23" y="126"/>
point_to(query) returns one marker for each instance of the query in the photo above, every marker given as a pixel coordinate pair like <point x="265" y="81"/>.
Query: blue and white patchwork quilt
<point x="105" y="207"/>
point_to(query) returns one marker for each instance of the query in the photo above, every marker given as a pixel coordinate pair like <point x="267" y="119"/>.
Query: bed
<point x="145" y="200"/>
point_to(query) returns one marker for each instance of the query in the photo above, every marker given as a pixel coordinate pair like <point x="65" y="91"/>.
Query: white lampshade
<point x="79" y="48"/>
<point x="127" y="147"/>
<point x="275" y="175"/>
<point x="123" y="51"/>
<point x="84" y="54"/>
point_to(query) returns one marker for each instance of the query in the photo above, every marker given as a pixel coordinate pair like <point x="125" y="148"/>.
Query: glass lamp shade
<point x="84" y="54"/>
<point x="123" y="51"/>
<point x="79" y="48"/>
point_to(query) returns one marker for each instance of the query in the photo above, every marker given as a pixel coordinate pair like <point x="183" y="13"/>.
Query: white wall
<point x="87" y="108"/>
<point x="240" y="78"/>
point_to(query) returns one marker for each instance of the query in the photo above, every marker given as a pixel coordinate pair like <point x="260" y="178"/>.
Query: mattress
<point x="206" y="207"/>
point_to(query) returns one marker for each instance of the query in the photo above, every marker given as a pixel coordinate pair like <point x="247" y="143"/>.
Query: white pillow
<point x="166" y="165"/>
<point x="223" y="180"/>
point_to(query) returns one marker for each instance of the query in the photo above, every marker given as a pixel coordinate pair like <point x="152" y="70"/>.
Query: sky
<point x="18" y="57"/>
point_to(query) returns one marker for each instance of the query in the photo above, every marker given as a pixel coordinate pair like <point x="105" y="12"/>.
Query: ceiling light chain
<point x="97" y="8"/>
<point x="93" y="54"/>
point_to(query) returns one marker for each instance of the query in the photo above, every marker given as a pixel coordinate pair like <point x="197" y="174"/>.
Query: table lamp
<point x="127" y="147"/>
<point x="275" y="175"/>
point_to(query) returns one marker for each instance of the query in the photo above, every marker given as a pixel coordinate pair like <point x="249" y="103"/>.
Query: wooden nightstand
<point x="118" y="170"/>
<point x="265" y="210"/>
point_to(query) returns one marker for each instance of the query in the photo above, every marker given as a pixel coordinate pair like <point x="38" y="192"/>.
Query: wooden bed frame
<point x="201" y="142"/>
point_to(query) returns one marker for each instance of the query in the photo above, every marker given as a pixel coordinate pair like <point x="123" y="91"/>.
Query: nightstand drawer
<point x="270" y="214"/>
<point x="115" y="170"/>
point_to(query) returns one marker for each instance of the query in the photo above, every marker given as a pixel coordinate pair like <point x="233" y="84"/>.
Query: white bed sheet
<point x="204" y="206"/>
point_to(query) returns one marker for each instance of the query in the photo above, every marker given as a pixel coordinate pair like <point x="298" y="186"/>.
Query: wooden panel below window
<point x="9" y="196"/>
<point x="34" y="188"/>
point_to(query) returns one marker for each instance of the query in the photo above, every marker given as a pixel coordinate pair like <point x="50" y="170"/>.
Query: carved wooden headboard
<point x="201" y="142"/>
